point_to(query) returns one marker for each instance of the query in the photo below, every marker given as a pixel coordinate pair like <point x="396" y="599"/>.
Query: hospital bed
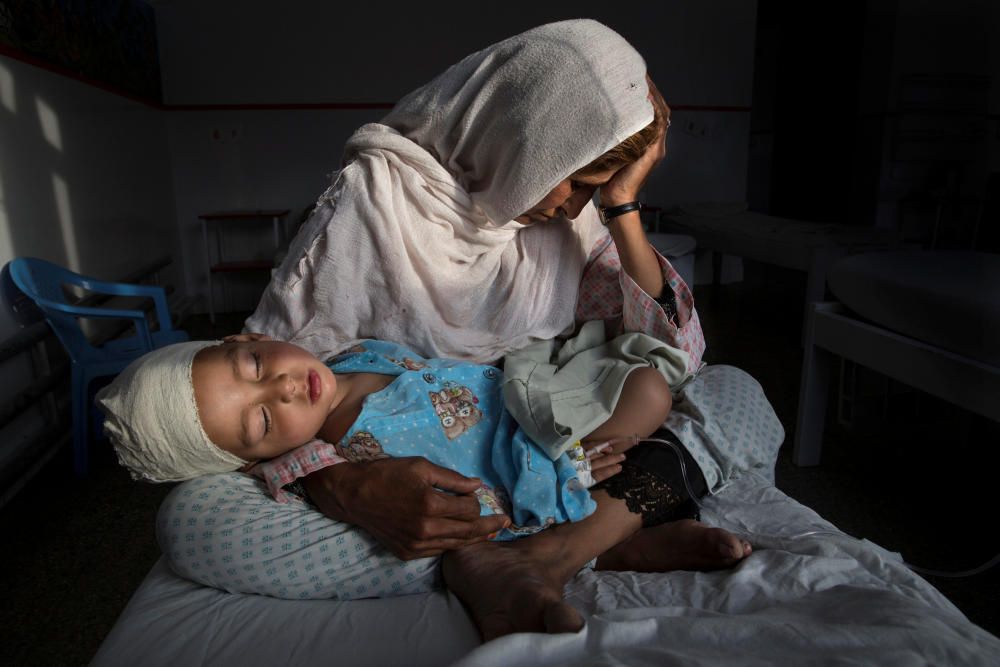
<point x="808" y="593"/>
<point x="728" y="228"/>
<point x="929" y="319"/>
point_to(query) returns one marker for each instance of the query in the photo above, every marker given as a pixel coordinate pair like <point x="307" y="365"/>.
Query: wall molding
<point x="260" y="106"/>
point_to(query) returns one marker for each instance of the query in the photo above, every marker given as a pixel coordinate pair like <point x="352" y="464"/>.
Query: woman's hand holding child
<point x="412" y="506"/>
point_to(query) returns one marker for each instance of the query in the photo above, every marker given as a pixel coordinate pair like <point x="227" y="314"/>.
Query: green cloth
<point x="561" y="390"/>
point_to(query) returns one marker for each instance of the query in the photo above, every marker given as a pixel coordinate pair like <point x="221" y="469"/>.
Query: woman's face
<point x="566" y="199"/>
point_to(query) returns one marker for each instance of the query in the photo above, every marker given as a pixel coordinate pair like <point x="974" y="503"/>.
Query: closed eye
<point x="256" y="361"/>
<point x="267" y="421"/>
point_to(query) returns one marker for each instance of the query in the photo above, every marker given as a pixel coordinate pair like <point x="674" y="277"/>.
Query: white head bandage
<point x="152" y="418"/>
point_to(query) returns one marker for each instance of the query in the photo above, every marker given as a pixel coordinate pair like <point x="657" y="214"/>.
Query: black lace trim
<point x="649" y="496"/>
<point x="652" y="485"/>
<point x="668" y="301"/>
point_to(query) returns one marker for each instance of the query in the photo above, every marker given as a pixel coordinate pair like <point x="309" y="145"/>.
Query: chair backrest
<point x="42" y="280"/>
<point x="21" y="306"/>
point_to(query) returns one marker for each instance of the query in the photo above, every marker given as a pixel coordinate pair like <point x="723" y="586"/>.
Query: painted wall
<point x="837" y="138"/>
<point x="229" y="52"/>
<point x="85" y="179"/>
<point x="956" y="40"/>
<point x="85" y="182"/>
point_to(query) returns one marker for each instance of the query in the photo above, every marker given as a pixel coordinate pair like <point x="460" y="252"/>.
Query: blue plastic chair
<point x="43" y="283"/>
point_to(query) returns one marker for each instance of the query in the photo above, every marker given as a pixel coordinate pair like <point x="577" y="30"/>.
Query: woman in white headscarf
<point x="463" y="226"/>
<point x="463" y="221"/>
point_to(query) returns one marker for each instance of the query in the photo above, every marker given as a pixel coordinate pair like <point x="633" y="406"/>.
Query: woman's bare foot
<point x="509" y="589"/>
<point x="678" y="545"/>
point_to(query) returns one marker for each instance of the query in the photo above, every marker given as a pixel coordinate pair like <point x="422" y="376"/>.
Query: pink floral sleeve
<point x="608" y="292"/>
<point x="290" y="466"/>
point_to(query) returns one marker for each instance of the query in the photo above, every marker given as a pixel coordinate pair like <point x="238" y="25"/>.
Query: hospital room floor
<point x="916" y="479"/>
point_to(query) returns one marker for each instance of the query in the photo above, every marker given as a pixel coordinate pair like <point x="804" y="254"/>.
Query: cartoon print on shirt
<point x="521" y="531"/>
<point x="354" y="349"/>
<point x="408" y="363"/>
<point x="455" y="406"/>
<point x="503" y="499"/>
<point x="489" y="498"/>
<point x="498" y="500"/>
<point x="362" y="446"/>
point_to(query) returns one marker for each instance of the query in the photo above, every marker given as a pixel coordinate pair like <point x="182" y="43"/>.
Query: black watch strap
<point x="609" y="214"/>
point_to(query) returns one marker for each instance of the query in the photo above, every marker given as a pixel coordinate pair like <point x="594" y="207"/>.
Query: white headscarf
<point x="151" y="417"/>
<point x="415" y="240"/>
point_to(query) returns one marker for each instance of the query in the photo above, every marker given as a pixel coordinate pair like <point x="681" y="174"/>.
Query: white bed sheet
<point x="798" y="599"/>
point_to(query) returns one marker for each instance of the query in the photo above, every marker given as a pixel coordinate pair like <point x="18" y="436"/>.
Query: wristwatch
<point x="609" y="214"/>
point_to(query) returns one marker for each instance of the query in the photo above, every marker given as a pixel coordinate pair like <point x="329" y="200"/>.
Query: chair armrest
<point x="155" y="292"/>
<point x="137" y="316"/>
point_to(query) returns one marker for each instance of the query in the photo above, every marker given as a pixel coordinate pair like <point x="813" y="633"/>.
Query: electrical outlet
<point x="695" y="129"/>
<point x="227" y="135"/>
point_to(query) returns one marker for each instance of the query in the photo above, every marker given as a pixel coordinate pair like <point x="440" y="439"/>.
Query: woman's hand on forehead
<point x="657" y="99"/>
<point x="625" y="185"/>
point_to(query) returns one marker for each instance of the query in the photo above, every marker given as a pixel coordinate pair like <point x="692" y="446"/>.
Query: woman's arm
<point x="637" y="255"/>
<point x="413" y="507"/>
<point x="608" y="293"/>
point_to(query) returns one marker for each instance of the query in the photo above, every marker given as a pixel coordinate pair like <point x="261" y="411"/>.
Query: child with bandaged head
<point x="214" y="406"/>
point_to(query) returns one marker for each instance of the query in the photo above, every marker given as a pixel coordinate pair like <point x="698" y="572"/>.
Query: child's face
<point x="259" y="399"/>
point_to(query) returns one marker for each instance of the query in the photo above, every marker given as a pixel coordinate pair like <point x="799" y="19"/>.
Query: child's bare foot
<point x="678" y="545"/>
<point x="506" y="589"/>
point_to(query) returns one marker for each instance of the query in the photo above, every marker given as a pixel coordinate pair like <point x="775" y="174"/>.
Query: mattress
<point x="950" y="299"/>
<point x="809" y="593"/>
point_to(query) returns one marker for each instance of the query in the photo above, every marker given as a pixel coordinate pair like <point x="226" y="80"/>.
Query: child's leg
<point x="642" y="408"/>
<point x="650" y="486"/>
